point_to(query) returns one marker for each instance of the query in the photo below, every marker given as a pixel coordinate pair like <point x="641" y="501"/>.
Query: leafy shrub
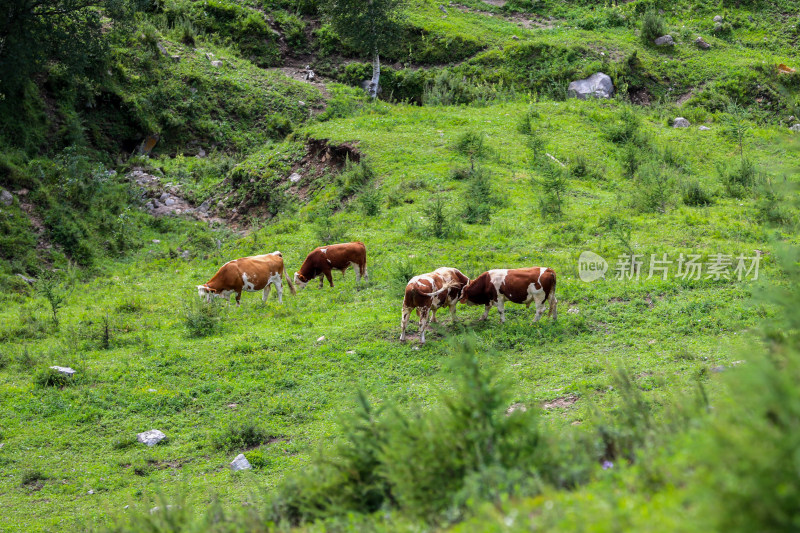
<point x="257" y="458"/>
<point x="330" y="230"/>
<point x="50" y="377"/>
<point x="480" y="197"/>
<point x="471" y="144"/>
<point x="654" y="188"/>
<point x="653" y="26"/>
<point x="370" y="201"/>
<point x="536" y="143"/>
<point x="579" y="166"/>
<point x="460" y="173"/>
<point x="551" y="189"/>
<point x="694" y="194"/>
<point x="739" y="180"/>
<point x="240" y="435"/>
<point x="54" y="290"/>
<point x="400" y="272"/>
<point x="344" y="102"/>
<point x="525" y="123"/>
<point x="202" y="318"/>
<point x="629" y="160"/>
<point x="627" y="130"/>
<point x="187" y="33"/>
<point x="440" y="221"/>
<point x="771" y="205"/>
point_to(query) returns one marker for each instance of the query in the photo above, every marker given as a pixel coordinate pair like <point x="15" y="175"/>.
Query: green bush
<point x="654" y="188"/>
<point x="370" y="202"/>
<point x="354" y="178"/>
<point x="471" y="144"/>
<point x="202" y="318"/>
<point x="50" y="377"/>
<point x="480" y="197"/>
<point x="400" y="272"/>
<point x="740" y="179"/>
<point x="240" y="435"/>
<point x="551" y="189"/>
<point x="440" y="222"/>
<point x="30" y="477"/>
<point x="771" y="206"/>
<point x="653" y="26"/>
<point x="694" y="194"/>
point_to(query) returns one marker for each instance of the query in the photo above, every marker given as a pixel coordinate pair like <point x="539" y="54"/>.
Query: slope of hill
<point x="472" y="158"/>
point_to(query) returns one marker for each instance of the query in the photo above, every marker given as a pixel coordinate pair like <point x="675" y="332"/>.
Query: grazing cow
<point x="428" y="292"/>
<point x="323" y="259"/>
<point x="249" y="274"/>
<point x="519" y="285"/>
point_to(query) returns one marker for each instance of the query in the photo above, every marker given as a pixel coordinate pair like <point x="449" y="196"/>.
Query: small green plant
<point x="400" y="272"/>
<point x="653" y="26"/>
<point x="55" y="291"/>
<point x="354" y="177"/>
<point x="187" y="33"/>
<point x="440" y="222"/>
<point x="771" y="205"/>
<point x="31" y="477"/>
<point x="629" y="160"/>
<point x="142" y="467"/>
<point x="525" y="123"/>
<point x="479" y="198"/>
<point x="50" y="377"/>
<point x="740" y="179"/>
<point x="695" y="195"/>
<point x="330" y="230"/>
<point x="472" y="144"/>
<point x="240" y="435"/>
<point x="551" y="189"/>
<point x="202" y="317"/>
<point x="370" y="201"/>
<point x="735" y="126"/>
<point x="654" y="188"/>
<point x="124" y="442"/>
<point x="257" y="458"/>
<point x="620" y="229"/>
<point x="579" y="167"/>
<point x="536" y="143"/>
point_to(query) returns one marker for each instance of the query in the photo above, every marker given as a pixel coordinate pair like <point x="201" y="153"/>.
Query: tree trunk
<point x="374" y="84"/>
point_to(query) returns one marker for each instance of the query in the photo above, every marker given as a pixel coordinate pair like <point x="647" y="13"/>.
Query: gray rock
<point x="680" y="122"/>
<point x="156" y="509"/>
<point x="163" y="197"/>
<point x="598" y="85"/>
<point x="718" y="19"/>
<point x="67" y="371"/>
<point x="703" y="128"/>
<point x="664" y="40"/>
<point x="209" y="56"/>
<point x="176" y="59"/>
<point x="795" y="128"/>
<point x="216" y="64"/>
<point x="204" y="207"/>
<point x="701" y="44"/>
<point x="240" y="463"/>
<point x="6" y="198"/>
<point x="295" y="177"/>
<point x="717" y="27"/>
<point x="201" y="153"/>
<point x="169" y="201"/>
<point x="163" y="50"/>
<point x="151" y="438"/>
<point x="29" y="281"/>
<point x="515" y="37"/>
<point x="156" y="241"/>
<point x="718" y="369"/>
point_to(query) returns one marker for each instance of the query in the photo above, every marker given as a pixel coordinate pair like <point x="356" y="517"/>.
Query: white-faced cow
<point x="248" y="274"/>
<point x="520" y="285"/>
<point x="428" y="292"/>
<point x="323" y="259"/>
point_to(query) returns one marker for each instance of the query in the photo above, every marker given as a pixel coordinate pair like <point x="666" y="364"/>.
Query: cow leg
<point x="238" y="298"/>
<point x="358" y="273"/>
<point x="363" y="269"/>
<point x="404" y="322"/>
<point x="433" y="315"/>
<point x="266" y="292"/>
<point x="485" y="314"/>
<point x="330" y="278"/>
<point x="553" y="306"/>
<point x="321" y="281"/>
<point x="453" y="311"/>
<point x="539" y="307"/>
<point x="279" y="289"/>
<point x="501" y="309"/>
<point x="423" y="321"/>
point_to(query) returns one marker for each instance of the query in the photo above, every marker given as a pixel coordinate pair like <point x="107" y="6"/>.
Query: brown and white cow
<point x="428" y="292"/>
<point x="519" y="285"/>
<point x="323" y="259"/>
<point x="249" y="274"/>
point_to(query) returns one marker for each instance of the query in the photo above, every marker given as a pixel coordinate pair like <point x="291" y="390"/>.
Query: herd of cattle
<point x="426" y="293"/>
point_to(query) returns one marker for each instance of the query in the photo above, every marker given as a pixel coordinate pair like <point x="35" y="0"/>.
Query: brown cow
<point x="323" y="259"/>
<point x="428" y="292"/>
<point x="250" y="274"/>
<point x="520" y="285"/>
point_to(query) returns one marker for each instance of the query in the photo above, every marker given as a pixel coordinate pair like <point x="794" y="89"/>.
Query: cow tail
<point x="289" y="282"/>
<point x="446" y="287"/>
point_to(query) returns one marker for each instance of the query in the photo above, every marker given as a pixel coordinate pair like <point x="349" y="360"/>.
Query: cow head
<point x="300" y="280"/>
<point x="204" y="291"/>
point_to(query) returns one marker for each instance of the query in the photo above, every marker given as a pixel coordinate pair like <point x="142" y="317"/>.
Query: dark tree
<point x="368" y="26"/>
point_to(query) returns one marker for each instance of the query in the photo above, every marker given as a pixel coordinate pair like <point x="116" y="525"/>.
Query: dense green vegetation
<point x="650" y="404"/>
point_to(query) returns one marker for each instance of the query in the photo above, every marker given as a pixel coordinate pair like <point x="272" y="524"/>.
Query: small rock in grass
<point x="90" y="491"/>
<point x="156" y="509"/>
<point x="67" y="371"/>
<point x="151" y="438"/>
<point x="152" y="390"/>
<point x="598" y="85"/>
<point x="216" y="64"/>
<point x="795" y="128"/>
<point x="322" y="338"/>
<point x="295" y="177"/>
<point x="717" y="18"/>
<point x="516" y="407"/>
<point x="6" y="198"/>
<point x="573" y="310"/>
<point x="240" y="463"/>
<point x="700" y="43"/>
<point x="350" y="352"/>
<point x="680" y="122"/>
<point x="664" y="40"/>
<point x="717" y="369"/>
<point x="232" y="405"/>
<point x="703" y="128"/>
<point x="156" y="241"/>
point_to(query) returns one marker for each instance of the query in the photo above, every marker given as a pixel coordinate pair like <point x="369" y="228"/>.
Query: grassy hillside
<point x="472" y="158"/>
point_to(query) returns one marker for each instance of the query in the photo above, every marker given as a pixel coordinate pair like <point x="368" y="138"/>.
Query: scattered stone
<point x="295" y="177"/>
<point x="718" y="19"/>
<point x="169" y="201"/>
<point x="516" y="407"/>
<point x="240" y="463"/>
<point x="151" y="438"/>
<point x="232" y="405"/>
<point x="717" y="369"/>
<point x="6" y="198"/>
<point x="163" y="50"/>
<point x="90" y="491"/>
<point x="795" y="128"/>
<point x="220" y="204"/>
<point x="737" y="363"/>
<point x="301" y="103"/>
<point x="443" y="10"/>
<point x="157" y="509"/>
<point x="703" y="128"/>
<point x="350" y="352"/>
<point x="664" y="40"/>
<point x="29" y="281"/>
<point x="717" y="27"/>
<point x="186" y="254"/>
<point x="201" y="153"/>
<point x="176" y="59"/>
<point x="322" y="338"/>
<point x="209" y="56"/>
<point x="573" y="310"/>
<point x="598" y="85"/>
<point x="701" y="44"/>
<point x="126" y="506"/>
<point x="216" y="64"/>
<point x="156" y="241"/>
<point x="205" y="206"/>
<point x="67" y="371"/>
<point x="515" y="37"/>
<point x="680" y="122"/>
<point x="152" y="390"/>
<point x="564" y="401"/>
<point x="164" y="196"/>
<point x="651" y="341"/>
